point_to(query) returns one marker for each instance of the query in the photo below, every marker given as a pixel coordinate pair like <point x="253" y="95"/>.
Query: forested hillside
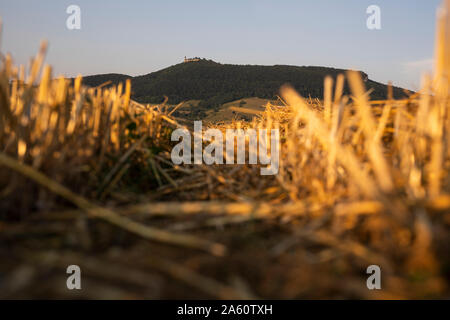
<point x="216" y="83"/>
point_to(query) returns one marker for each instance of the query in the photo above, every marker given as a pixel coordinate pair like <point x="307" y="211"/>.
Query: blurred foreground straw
<point x="110" y="216"/>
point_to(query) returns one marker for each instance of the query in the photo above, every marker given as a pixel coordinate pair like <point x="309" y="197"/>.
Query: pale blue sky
<point x="140" y="36"/>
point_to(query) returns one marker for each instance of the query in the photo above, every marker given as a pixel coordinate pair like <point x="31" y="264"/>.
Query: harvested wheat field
<point x="86" y="178"/>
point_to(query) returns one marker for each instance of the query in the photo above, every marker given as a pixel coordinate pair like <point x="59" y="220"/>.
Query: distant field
<point x="223" y="113"/>
<point x="226" y="114"/>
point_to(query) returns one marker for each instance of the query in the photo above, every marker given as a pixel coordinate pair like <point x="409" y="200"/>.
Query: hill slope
<point x="216" y="83"/>
<point x="96" y="80"/>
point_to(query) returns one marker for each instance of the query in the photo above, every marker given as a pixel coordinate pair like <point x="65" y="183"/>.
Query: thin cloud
<point x="420" y="64"/>
<point x="414" y="70"/>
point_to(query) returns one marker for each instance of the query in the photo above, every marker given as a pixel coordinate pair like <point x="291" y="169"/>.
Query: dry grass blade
<point x="345" y="155"/>
<point x="368" y="124"/>
<point x="116" y="270"/>
<point x="121" y="162"/>
<point x="110" y="216"/>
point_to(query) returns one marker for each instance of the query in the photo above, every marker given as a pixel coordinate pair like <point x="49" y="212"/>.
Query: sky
<point x="136" y="37"/>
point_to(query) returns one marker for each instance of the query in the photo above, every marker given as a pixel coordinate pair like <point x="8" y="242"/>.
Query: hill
<point x="96" y="80"/>
<point x="215" y="84"/>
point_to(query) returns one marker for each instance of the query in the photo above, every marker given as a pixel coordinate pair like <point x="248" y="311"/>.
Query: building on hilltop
<point x="191" y="59"/>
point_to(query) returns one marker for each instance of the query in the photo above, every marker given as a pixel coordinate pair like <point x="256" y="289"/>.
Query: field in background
<point x="86" y="179"/>
<point x="238" y="110"/>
